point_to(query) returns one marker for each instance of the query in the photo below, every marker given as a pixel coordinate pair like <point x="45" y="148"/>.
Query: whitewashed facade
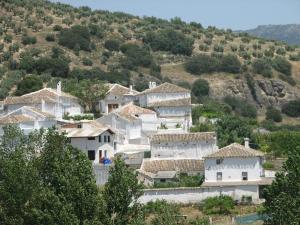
<point x="116" y="97"/>
<point x="96" y="140"/>
<point x="183" y="145"/>
<point x="48" y="100"/>
<point x="27" y="119"/>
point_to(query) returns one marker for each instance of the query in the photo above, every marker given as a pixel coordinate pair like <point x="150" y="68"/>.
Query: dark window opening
<point x="105" y="139"/>
<point x="100" y="138"/>
<point x="219" y="161"/>
<point x="91" y="138"/>
<point x="219" y="175"/>
<point x="244" y="175"/>
<point x="91" y="155"/>
<point x="108" y="139"/>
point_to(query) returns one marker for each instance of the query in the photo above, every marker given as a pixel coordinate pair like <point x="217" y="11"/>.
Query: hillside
<point x="289" y="33"/>
<point x="59" y="42"/>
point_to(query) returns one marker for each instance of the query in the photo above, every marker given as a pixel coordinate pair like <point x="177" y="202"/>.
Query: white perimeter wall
<point x="195" y="195"/>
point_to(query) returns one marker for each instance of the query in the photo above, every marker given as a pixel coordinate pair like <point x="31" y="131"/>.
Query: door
<point x="100" y="156"/>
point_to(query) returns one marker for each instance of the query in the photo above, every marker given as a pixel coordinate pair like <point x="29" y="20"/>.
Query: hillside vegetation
<point x="43" y="42"/>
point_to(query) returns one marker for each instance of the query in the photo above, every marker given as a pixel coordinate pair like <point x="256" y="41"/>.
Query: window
<point x="91" y="138"/>
<point x="100" y="138"/>
<point x="91" y="155"/>
<point x="79" y="126"/>
<point x="219" y="161"/>
<point x="105" y="153"/>
<point x="219" y="175"/>
<point x="105" y="139"/>
<point x="108" y="139"/>
<point x="115" y="145"/>
<point x="244" y="175"/>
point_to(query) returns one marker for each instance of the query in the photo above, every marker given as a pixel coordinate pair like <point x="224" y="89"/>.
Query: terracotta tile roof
<point x="184" y="137"/>
<point x="94" y="130"/>
<point x="46" y="94"/>
<point x="117" y="89"/>
<point x="172" y="103"/>
<point x="235" y="150"/>
<point x="180" y="165"/>
<point x="23" y="115"/>
<point x="13" y="119"/>
<point x="166" y="88"/>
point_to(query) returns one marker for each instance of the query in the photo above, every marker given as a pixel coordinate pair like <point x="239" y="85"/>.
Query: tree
<point x="90" y="93"/>
<point x="273" y="114"/>
<point x="230" y="64"/>
<point x="282" y="65"/>
<point x="232" y="129"/>
<point x="282" y="203"/>
<point x="201" y="64"/>
<point x="29" y="84"/>
<point x="200" y="88"/>
<point x="112" y="45"/>
<point x="121" y="193"/>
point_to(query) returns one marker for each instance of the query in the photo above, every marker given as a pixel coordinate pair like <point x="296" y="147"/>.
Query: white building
<point x="171" y="102"/>
<point x="117" y="96"/>
<point x="95" y="139"/>
<point x="183" y="145"/>
<point x="27" y="119"/>
<point x="47" y="100"/>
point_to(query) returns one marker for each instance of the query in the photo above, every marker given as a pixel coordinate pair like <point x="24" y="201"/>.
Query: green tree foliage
<point x="112" y="45"/>
<point x="292" y="108"/>
<point x="262" y="66"/>
<point x="170" y="40"/>
<point x="282" y="203"/>
<point x="200" y="88"/>
<point x="218" y="63"/>
<point x="218" y="205"/>
<point x="27" y="40"/>
<point x="121" y="193"/>
<point x="282" y="65"/>
<point x="29" y="84"/>
<point x="273" y="114"/>
<point x="240" y="107"/>
<point x="232" y="129"/>
<point x="56" y="187"/>
<point x="75" y="36"/>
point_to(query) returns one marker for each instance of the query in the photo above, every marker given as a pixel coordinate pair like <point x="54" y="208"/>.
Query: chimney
<point x="43" y="105"/>
<point x="58" y="88"/>
<point x="130" y="89"/>
<point x="246" y="142"/>
<point x="153" y="84"/>
<point x="150" y="84"/>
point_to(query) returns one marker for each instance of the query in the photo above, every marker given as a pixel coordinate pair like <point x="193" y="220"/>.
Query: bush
<point x="170" y="40"/>
<point x="27" y="40"/>
<point x="87" y="62"/>
<point x="292" y="108"/>
<point x="112" y="45"/>
<point x="201" y="64"/>
<point x="263" y="67"/>
<point x="288" y="79"/>
<point x="230" y="64"/>
<point x="29" y="84"/>
<point x="203" y="47"/>
<point x="268" y="166"/>
<point x="219" y="48"/>
<point x="282" y="65"/>
<point x="241" y="107"/>
<point x="77" y="36"/>
<point x="200" y="88"/>
<point x="221" y="205"/>
<point x="281" y="51"/>
<point x="50" y="37"/>
<point x="57" y="28"/>
<point x="273" y="114"/>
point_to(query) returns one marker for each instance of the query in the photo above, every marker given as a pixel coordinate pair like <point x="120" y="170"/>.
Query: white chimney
<point x="246" y="142"/>
<point x="58" y="88"/>
<point x="150" y="84"/>
<point x="43" y="105"/>
<point x="130" y="89"/>
<point x="153" y="84"/>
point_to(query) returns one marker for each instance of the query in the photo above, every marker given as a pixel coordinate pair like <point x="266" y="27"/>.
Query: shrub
<point x="201" y="64"/>
<point x="295" y="57"/>
<point x="170" y="40"/>
<point x="292" y="108"/>
<point x="269" y="53"/>
<point x="87" y="62"/>
<point x="219" y="48"/>
<point x="268" y="166"/>
<point x="77" y="36"/>
<point x="233" y="48"/>
<point x="200" y="88"/>
<point x="273" y="114"/>
<point x="288" y="79"/>
<point x="241" y="107"/>
<point x="57" y="28"/>
<point x="27" y="40"/>
<point x="112" y="45"/>
<point x="8" y="38"/>
<point x="263" y="67"/>
<point x="50" y="37"/>
<point x="281" y="51"/>
<point x="221" y="205"/>
<point x="282" y="65"/>
<point x="29" y="84"/>
<point x="203" y="47"/>
<point x="230" y="64"/>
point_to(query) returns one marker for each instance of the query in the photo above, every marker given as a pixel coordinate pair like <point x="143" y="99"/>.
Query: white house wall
<point x="232" y="169"/>
<point x="182" y="150"/>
